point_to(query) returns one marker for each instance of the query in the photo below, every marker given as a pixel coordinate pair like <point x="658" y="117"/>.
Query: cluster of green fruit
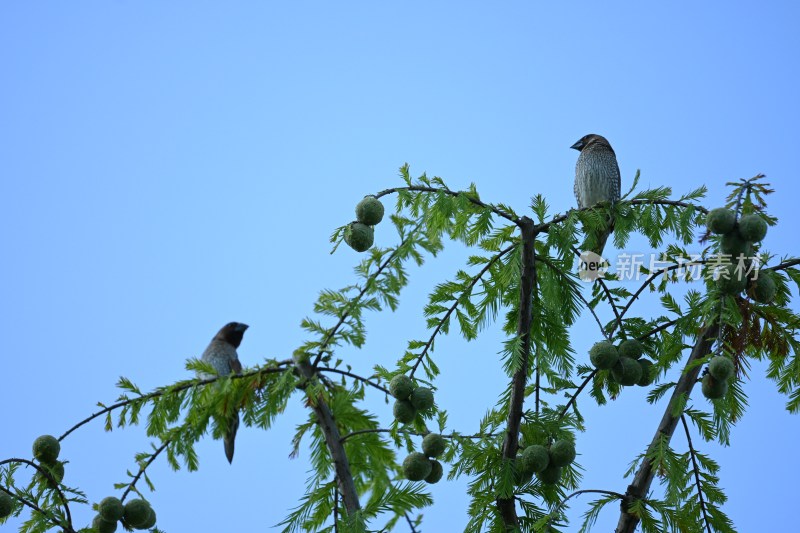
<point x="360" y="233"/>
<point x="737" y="241"/>
<point x="136" y="514"/>
<point x="545" y="462"/>
<point x="45" y="450"/>
<point x="410" y="399"/>
<point x="625" y="362"/>
<point x="423" y="466"/>
<point x="715" y="381"/>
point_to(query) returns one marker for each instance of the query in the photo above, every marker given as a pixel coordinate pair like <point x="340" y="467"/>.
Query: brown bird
<point x="597" y="179"/>
<point x="221" y="354"/>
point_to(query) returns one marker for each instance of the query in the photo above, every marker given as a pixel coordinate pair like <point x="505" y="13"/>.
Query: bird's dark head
<point x="232" y="333"/>
<point x="588" y="140"/>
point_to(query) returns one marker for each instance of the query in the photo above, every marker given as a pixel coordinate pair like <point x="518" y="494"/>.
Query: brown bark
<point x="527" y="284"/>
<point x="644" y="476"/>
<point x="333" y="440"/>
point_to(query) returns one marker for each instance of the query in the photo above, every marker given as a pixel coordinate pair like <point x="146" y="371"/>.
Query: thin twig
<point x="335" y="505"/>
<point x="410" y="523"/>
<point x="659" y="328"/>
<point x="367" y="284"/>
<point x="377" y="430"/>
<point x="574" y="397"/>
<point x="142" y="468"/>
<point x="586" y="491"/>
<point x="453" y="435"/>
<point x="364" y="380"/>
<point x="696" y="472"/>
<point x="470" y="197"/>
<point x="453" y="307"/>
<point x="653" y="276"/>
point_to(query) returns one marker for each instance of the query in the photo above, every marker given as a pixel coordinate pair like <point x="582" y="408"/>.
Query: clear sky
<point x="167" y="167"/>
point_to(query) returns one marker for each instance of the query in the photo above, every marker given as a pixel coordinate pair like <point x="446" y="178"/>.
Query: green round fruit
<point x="416" y="466"/>
<point x="46" y="449"/>
<point x="731" y="279"/>
<point x="550" y="475"/>
<point x="359" y="236"/>
<point x="111" y="509"/>
<point x="713" y="389"/>
<point x="150" y="522"/>
<point x="630" y="348"/>
<point x="369" y="211"/>
<point x="137" y="512"/>
<point x="433" y="445"/>
<point x="101" y="525"/>
<point x="55" y="470"/>
<point x="734" y="245"/>
<point x="401" y="386"/>
<point x="562" y="452"/>
<point x="721" y="368"/>
<point x="422" y="398"/>
<point x="647" y="372"/>
<point x="752" y="228"/>
<point x="436" y="472"/>
<point x="721" y="220"/>
<point x="404" y="411"/>
<point x="6" y="504"/>
<point x="534" y="458"/>
<point x="763" y="289"/>
<point x="627" y="371"/>
<point x="603" y="355"/>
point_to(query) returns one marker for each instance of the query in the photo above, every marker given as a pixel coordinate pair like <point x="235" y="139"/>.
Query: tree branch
<point x="527" y="285"/>
<point x="333" y="440"/>
<point x="68" y="526"/>
<point x="786" y="264"/>
<point x="644" y="476"/>
<point x="162" y="391"/>
<point x="418" y="188"/>
<point x="545" y="226"/>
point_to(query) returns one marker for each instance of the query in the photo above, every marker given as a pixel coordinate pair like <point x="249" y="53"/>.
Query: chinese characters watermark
<point x="694" y="267"/>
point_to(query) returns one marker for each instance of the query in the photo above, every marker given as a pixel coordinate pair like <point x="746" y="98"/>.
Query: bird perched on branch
<point x="221" y="354"/>
<point x="596" y="179"/>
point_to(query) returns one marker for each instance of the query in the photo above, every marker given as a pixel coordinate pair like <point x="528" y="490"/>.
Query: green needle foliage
<point x="521" y="279"/>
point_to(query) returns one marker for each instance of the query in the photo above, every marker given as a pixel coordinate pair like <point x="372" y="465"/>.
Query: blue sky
<point x="168" y="167"/>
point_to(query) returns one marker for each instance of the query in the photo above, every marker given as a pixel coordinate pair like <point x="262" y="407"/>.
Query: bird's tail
<point x="230" y="436"/>
<point x="596" y="240"/>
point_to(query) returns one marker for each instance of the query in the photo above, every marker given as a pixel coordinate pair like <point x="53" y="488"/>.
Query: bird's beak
<point x="577" y="146"/>
<point x="241" y="327"/>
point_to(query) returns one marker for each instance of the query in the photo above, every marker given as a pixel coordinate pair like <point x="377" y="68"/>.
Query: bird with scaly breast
<point x="597" y="179"/>
<point x="221" y="354"/>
